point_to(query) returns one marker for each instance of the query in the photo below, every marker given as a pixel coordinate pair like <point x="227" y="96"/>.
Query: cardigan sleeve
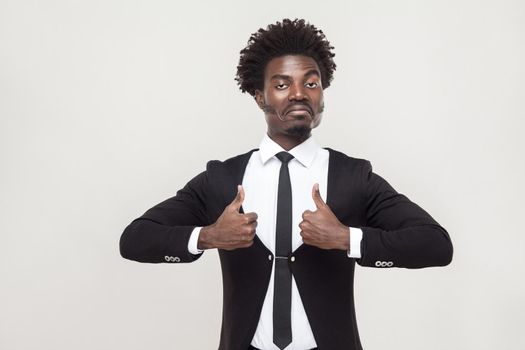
<point x="162" y="233"/>
<point x="398" y="232"/>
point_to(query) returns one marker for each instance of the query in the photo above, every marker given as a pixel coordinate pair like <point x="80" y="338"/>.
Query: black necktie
<point x="282" y="297"/>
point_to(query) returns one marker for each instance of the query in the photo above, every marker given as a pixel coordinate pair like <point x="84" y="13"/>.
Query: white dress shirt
<point x="260" y="183"/>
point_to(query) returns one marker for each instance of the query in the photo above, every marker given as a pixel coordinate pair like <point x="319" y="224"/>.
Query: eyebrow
<point x="287" y="77"/>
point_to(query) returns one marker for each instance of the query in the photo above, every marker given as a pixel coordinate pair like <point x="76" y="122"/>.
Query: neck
<point x="287" y="142"/>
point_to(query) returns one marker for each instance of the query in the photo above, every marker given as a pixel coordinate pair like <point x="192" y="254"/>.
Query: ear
<point x="259" y="98"/>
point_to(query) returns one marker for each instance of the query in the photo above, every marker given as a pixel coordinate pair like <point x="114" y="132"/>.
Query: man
<point x="289" y="219"/>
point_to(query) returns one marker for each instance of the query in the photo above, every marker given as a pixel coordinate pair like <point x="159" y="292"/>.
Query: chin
<point x="299" y="130"/>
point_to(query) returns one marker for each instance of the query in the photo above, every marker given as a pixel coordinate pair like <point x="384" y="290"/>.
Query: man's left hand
<point x="321" y="228"/>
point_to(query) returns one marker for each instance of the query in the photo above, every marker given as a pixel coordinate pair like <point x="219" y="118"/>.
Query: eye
<point x="281" y="86"/>
<point x="311" y="85"/>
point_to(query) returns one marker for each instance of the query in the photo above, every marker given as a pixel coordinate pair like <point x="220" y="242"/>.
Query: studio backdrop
<point x="109" y="107"/>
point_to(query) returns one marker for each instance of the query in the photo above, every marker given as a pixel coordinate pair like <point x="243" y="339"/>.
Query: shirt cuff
<point x="194" y="239"/>
<point x="356" y="235"/>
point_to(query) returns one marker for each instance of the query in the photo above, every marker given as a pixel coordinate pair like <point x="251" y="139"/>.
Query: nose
<point x="297" y="92"/>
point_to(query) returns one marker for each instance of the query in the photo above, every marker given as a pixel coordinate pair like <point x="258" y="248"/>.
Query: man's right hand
<point x="232" y="229"/>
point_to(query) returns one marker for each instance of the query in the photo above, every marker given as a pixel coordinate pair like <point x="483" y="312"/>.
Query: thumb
<point x="316" y="195"/>
<point x="239" y="198"/>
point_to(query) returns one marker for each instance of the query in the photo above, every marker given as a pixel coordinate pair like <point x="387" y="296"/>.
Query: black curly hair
<point x="280" y="39"/>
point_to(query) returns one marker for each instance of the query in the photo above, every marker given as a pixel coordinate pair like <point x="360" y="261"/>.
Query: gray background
<point x="109" y="107"/>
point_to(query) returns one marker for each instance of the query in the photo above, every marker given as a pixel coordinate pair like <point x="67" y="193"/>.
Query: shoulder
<point x="339" y="159"/>
<point x="232" y="163"/>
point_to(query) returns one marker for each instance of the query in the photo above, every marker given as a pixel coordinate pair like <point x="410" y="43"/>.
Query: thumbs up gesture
<point x="232" y="229"/>
<point x="321" y="228"/>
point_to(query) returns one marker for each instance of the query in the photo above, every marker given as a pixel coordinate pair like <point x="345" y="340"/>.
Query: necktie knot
<point x="284" y="157"/>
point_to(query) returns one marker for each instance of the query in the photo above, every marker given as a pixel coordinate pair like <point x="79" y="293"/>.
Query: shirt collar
<point x="304" y="152"/>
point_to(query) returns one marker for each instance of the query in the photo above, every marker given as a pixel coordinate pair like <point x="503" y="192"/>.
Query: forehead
<point x="291" y="65"/>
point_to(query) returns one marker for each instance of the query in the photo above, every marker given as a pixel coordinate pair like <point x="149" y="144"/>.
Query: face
<point x="292" y="99"/>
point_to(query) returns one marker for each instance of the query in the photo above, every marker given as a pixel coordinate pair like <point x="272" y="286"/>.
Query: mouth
<point x="299" y="111"/>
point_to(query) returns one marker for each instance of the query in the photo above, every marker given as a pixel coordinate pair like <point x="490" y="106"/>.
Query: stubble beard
<point x="298" y="131"/>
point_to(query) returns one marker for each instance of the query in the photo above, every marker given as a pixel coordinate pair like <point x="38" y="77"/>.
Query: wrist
<point x="206" y="238"/>
<point x="345" y="238"/>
